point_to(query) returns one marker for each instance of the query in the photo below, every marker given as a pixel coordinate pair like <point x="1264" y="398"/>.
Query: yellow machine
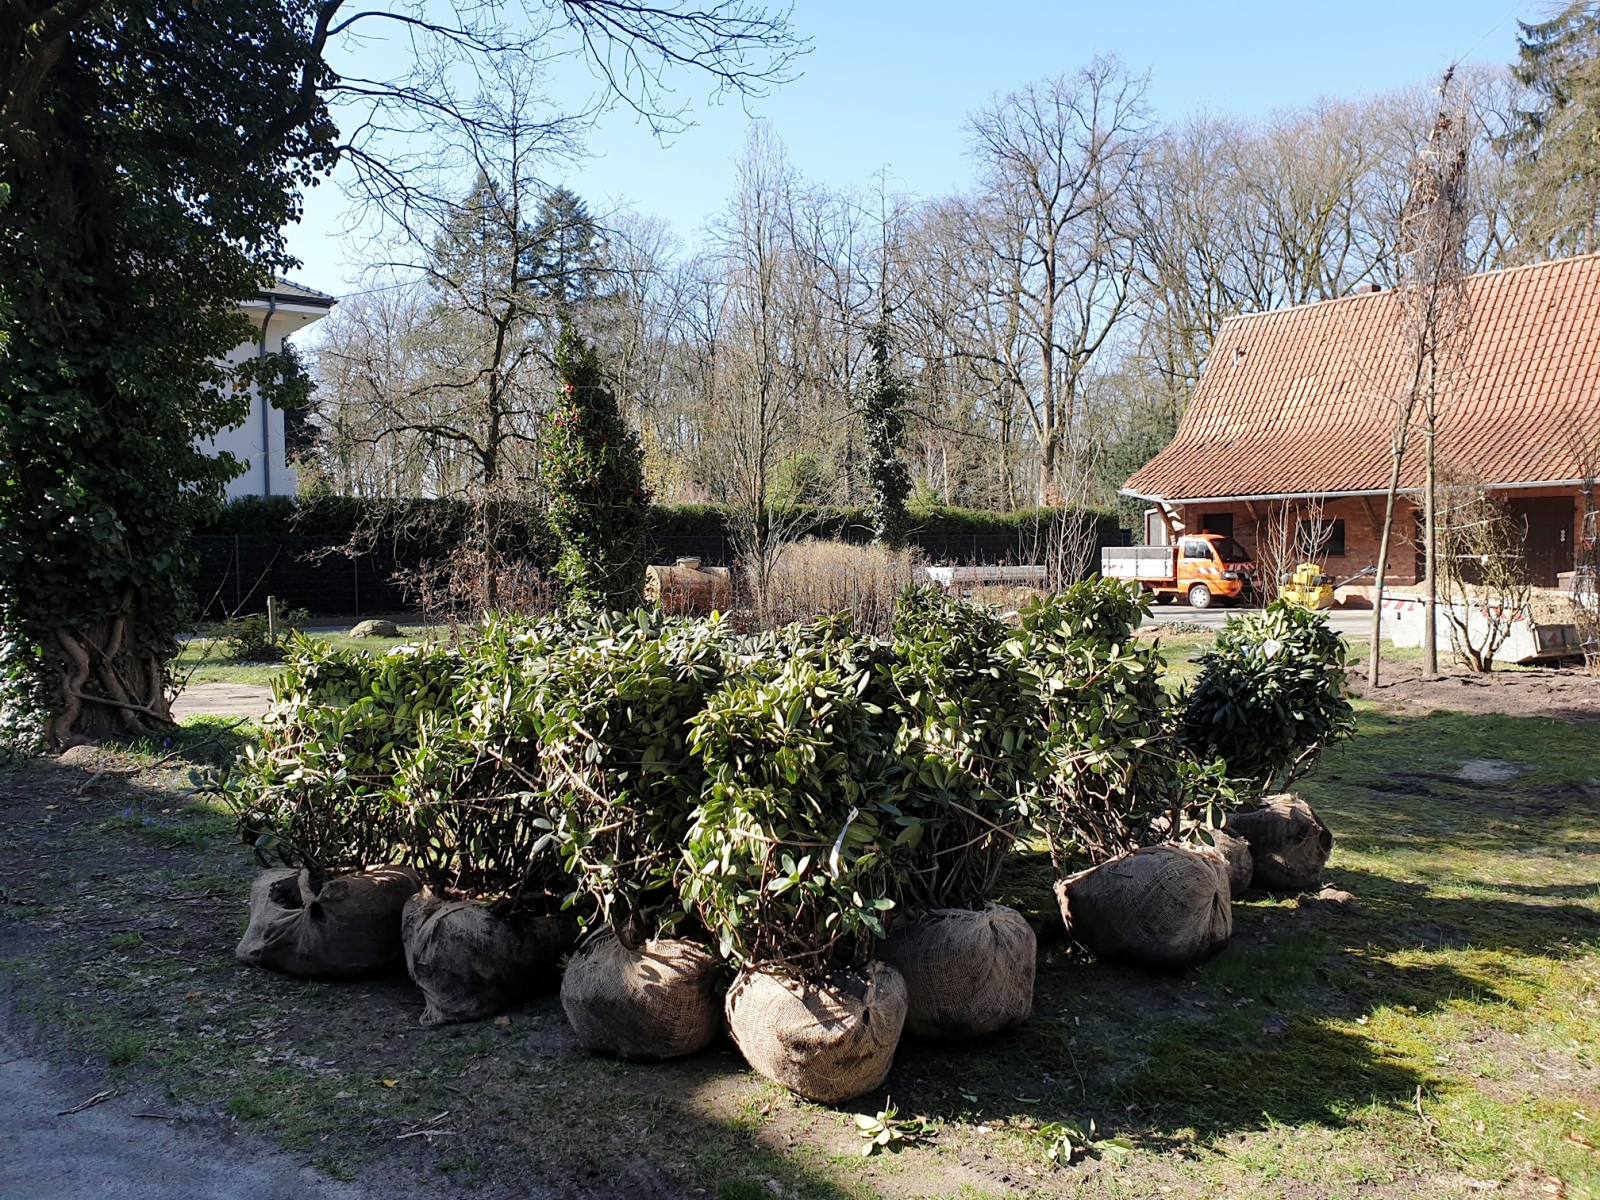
<point x="1308" y="586"/>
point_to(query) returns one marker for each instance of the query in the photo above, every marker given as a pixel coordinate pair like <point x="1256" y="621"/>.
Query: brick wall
<point x="1363" y="529"/>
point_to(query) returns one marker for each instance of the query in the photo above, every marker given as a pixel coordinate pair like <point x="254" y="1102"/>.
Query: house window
<point x="1321" y="540"/>
<point x="1217" y="523"/>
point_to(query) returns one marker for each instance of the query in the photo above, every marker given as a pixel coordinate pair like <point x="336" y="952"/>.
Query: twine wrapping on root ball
<point x="1164" y="908"/>
<point x="659" y="1001"/>
<point x="829" y="1037"/>
<point x="339" y="927"/>
<point x="1289" y="844"/>
<point x="967" y="973"/>
<point x="472" y="963"/>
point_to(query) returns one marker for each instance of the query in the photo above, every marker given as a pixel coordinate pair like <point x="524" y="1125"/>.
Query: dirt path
<point x="222" y="700"/>
<point x="106" y="1150"/>
<point x="109" y="1152"/>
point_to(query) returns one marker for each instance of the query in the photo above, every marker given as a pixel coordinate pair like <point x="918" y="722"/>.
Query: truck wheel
<point x="1199" y="596"/>
<point x="1164" y="597"/>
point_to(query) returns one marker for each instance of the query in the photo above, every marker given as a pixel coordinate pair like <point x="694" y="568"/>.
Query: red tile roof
<point x="1296" y="401"/>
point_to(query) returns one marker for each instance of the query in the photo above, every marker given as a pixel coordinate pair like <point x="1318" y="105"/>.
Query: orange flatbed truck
<point x="1201" y="567"/>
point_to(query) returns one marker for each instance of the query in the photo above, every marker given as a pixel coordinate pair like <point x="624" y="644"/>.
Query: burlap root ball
<point x="1234" y="853"/>
<point x="471" y="963"/>
<point x="659" y="1001"/>
<point x="828" y="1037"/>
<point x="1163" y="908"/>
<point x="1289" y="844"/>
<point x="338" y="927"/>
<point x="967" y="973"/>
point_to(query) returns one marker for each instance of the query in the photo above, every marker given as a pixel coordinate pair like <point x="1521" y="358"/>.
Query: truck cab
<point x="1210" y="566"/>
<point x="1201" y="567"/>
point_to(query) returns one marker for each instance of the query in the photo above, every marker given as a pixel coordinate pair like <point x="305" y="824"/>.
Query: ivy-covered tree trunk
<point x="101" y="480"/>
<point x="145" y="174"/>
<point x="883" y="412"/>
<point x="594" y="470"/>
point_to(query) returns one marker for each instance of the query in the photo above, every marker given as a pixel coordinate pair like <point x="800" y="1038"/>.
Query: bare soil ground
<point x="124" y="1141"/>
<point x="1552" y="694"/>
<point x="1437" y="1039"/>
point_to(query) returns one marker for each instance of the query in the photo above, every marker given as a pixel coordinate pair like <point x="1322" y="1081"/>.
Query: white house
<point x="259" y="443"/>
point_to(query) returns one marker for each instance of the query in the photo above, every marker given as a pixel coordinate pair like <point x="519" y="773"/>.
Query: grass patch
<point x="124" y="1050"/>
<point x="248" y="1106"/>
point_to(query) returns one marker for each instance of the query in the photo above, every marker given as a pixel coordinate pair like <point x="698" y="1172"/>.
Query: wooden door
<point x="1550" y="524"/>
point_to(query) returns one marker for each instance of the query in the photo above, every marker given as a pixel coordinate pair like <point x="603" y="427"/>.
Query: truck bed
<point x="1137" y="562"/>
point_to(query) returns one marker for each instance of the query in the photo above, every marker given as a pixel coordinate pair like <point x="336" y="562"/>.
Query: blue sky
<point x="889" y="85"/>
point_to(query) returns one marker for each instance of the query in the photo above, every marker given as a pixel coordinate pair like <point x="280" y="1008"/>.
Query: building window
<point x="1324" y="540"/>
<point x="1217" y="523"/>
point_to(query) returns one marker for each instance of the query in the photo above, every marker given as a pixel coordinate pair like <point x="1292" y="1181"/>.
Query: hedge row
<point x="340" y="516"/>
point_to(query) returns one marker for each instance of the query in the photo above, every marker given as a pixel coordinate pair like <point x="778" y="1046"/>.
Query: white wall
<point x="266" y="474"/>
<point x="1404" y="623"/>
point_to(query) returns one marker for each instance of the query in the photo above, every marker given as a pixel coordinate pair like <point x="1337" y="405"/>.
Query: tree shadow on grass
<point x="1264" y="1034"/>
<point x="304" y="1063"/>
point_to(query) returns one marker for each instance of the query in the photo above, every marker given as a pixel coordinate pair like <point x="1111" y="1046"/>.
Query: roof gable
<point x="1297" y="401"/>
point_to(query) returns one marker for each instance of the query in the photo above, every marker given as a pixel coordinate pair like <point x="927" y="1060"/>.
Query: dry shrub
<point x="1483" y="571"/>
<point x="1004" y="596"/>
<point x="456" y="592"/>
<point x="815" y="578"/>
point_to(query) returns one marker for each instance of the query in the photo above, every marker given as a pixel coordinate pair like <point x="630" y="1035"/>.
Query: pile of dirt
<point x="1555" y="694"/>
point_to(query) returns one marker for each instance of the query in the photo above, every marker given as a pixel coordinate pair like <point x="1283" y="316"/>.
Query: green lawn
<point x="1439" y="1040"/>
<point x="209" y="660"/>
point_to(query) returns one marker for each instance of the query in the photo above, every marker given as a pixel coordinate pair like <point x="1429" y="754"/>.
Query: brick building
<point x="1294" y="414"/>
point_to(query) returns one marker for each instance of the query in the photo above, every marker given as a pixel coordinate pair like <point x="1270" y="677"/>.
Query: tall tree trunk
<point x="115" y="686"/>
<point x="1383" y="566"/>
<point x="1430" y="613"/>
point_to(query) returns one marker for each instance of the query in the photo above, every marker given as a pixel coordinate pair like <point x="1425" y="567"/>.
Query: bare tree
<point x="1435" y="333"/>
<point x="499" y="265"/>
<point x="1050" y="322"/>
<point x="753" y="401"/>
<point x="1061" y="162"/>
<point x="368" y="360"/>
<point x="1583" y="440"/>
<point x="1290" y="533"/>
